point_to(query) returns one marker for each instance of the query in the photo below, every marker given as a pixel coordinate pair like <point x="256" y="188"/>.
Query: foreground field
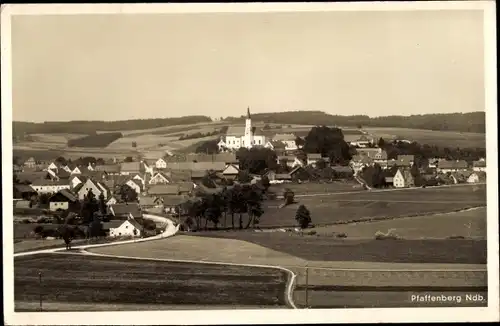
<point x="468" y="224"/>
<point x="96" y="280"/>
<point x="356" y="206"/>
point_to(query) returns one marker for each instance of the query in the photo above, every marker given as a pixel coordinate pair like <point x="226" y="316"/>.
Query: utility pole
<point x="40" y="286"/>
<point x="307" y="286"/>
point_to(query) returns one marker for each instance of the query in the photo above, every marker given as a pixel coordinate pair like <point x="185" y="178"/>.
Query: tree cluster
<point x="329" y="142"/>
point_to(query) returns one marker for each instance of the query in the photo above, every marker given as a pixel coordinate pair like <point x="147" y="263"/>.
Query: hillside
<point x="20" y="128"/>
<point x="464" y="122"/>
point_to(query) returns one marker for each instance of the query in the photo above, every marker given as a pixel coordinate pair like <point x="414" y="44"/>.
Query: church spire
<point x="248" y="112"/>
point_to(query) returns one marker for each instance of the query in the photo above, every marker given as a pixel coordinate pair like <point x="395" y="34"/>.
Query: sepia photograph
<point x="249" y="163"/>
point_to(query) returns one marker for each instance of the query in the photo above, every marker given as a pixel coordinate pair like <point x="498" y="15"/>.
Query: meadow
<point x="101" y="280"/>
<point x="317" y="188"/>
<point x="449" y="139"/>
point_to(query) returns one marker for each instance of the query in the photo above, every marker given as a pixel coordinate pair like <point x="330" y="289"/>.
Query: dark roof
<point x="125" y="209"/>
<point x="164" y="189"/>
<point x="446" y="164"/>
<point x="109" y="168"/>
<point x="46" y="182"/>
<point x="313" y="156"/>
<point x="479" y="164"/>
<point x="146" y="201"/>
<point x="31" y="176"/>
<point x="283" y="176"/>
<point x="173" y="200"/>
<point x="64" y="195"/>
<point x="131" y="166"/>
<point x="342" y="169"/>
<point x="113" y="224"/>
<point x="24" y="188"/>
<point x="284" y="137"/>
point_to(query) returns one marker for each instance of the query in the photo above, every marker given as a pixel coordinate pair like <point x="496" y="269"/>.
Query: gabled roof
<point x="231" y="169"/>
<point x="288" y="158"/>
<point x="31" y="176"/>
<point x="64" y="194"/>
<point x="342" y="169"/>
<point x="146" y="201"/>
<point x="134" y="223"/>
<point x="108" y="168"/>
<point x="161" y="175"/>
<point x="45" y="182"/>
<point x="130" y="166"/>
<point x="21" y="188"/>
<point x="125" y="209"/>
<point x="164" y="189"/>
<point x="172" y="200"/>
<point x="235" y="131"/>
<point x="313" y="156"/>
<point x="446" y="164"/>
<point x="284" y="137"/>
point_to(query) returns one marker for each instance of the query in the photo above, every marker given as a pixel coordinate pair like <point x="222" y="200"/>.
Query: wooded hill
<point x="464" y="122"/>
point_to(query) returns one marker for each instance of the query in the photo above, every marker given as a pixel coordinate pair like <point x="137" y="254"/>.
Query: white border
<point x="255" y="316"/>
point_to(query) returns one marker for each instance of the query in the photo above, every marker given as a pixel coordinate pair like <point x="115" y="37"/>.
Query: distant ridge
<point x="463" y="122"/>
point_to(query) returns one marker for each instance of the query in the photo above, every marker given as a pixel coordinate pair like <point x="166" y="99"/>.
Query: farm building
<point x="44" y="186"/>
<point x="403" y="179"/>
<point x="129" y="227"/>
<point x="290" y="141"/>
<point x="159" y="178"/>
<point x="22" y="191"/>
<point x="97" y="188"/>
<point x="479" y="166"/>
<point x="243" y="136"/>
<point x="63" y="200"/>
<point x="123" y="211"/>
<point x="446" y="166"/>
<point x="231" y="172"/>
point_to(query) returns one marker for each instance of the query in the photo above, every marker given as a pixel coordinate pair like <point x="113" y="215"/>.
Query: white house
<point x="479" y="166"/>
<point x="76" y="170"/>
<point x="44" y="186"/>
<point x="231" y="171"/>
<point x="97" y="189"/>
<point x="159" y="178"/>
<point x="403" y="179"/>
<point x="129" y="227"/>
<point x="52" y="166"/>
<point x="237" y="137"/>
<point x="161" y="164"/>
<point x="288" y="139"/>
<point x="111" y="201"/>
<point x="74" y="181"/>
<point x="135" y="185"/>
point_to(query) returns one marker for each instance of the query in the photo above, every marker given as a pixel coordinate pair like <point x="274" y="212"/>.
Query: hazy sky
<point x="116" y="67"/>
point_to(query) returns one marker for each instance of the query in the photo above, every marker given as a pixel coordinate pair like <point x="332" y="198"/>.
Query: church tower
<point x="248" y="138"/>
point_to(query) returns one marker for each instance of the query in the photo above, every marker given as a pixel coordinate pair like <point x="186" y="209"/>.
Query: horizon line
<point x="257" y="113"/>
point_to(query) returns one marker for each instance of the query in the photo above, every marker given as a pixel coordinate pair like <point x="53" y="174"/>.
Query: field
<point x="97" y="280"/>
<point x="469" y="224"/>
<point x="449" y="139"/>
<point x="355" y="206"/>
<point x="150" y="139"/>
<point x="316" y="188"/>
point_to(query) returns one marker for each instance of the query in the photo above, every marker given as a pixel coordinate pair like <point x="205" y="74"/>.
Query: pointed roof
<point x="248" y="112"/>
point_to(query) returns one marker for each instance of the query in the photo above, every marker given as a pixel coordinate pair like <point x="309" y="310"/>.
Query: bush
<point x="341" y="235"/>
<point x="456" y="237"/>
<point x="312" y="232"/>
<point x="390" y="235"/>
<point x="38" y="229"/>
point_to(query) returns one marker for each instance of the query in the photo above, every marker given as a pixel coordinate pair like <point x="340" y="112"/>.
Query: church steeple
<point x="248" y="112"/>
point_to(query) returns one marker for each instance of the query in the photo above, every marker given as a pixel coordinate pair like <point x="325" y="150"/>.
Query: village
<point x="130" y="188"/>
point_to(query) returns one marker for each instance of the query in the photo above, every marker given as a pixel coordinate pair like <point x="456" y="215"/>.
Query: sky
<point x="118" y="67"/>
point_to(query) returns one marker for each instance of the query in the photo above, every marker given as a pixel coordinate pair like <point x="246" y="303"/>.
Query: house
<point x="22" y="191"/>
<point x="288" y="139"/>
<point x="313" y="158"/>
<point x="30" y="163"/>
<point x="479" y="166"/>
<point x="276" y="145"/>
<point x="161" y="164"/>
<point x="76" y="170"/>
<point x="66" y="168"/>
<point x="290" y="160"/>
<point x="126" y="211"/>
<point x="380" y="157"/>
<point x="63" y="200"/>
<point x="111" y="201"/>
<point x="358" y="162"/>
<point x="97" y="189"/>
<point x="171" y="189"/>
<point x="159" y="178"/>
<point x="17" y="168"/>
<point x="135" y="184"/>
<point x="44" y="186"/>
<point x="53" y="166"/>
<point x="75" y="180"/>
<point x="231" y="172"/>
<point x="127" y="168"/>
<point x="172" y="204"/>
<point x="342" y="171"/>
<point x="477" y="177"/>
<point x="299" y="173"/>
<point x="362" y="141"/>
<point x="403" y="179"/>
<point x="147" y="202"/>
<point x="128" y="228"/>
<point x="446" y="166"/>
<point x="109" y="169"/>
<point x="405" y="161"/>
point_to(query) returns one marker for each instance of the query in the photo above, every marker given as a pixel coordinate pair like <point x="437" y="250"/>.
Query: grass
<point x="431" y="137"/>
<point x="366" y="250"/>
<point x="96" y="280"/>
<point x="317" y="188"/>
<point x="361" y="206"/>
<point x="439" y="226"/>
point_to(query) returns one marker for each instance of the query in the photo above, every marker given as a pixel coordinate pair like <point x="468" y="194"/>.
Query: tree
<point x="321" y="164"/>
<point x="299" y="141"/>
<point x="61" y="160"/>
<point x="303" y="217"/>
<point x="265" y="183"/>
<point x="208" y="147"/>
<point x="256" y="160"/>
<point x="134" y="144"/>
<point x="244" y="176"/>
<point x="381" y="142"/>
<point x="129" y="159"/>
<point x="102" y="204"/>
<point x="288" y="196"/>
<point x="89" y="206"/>
<point x="127" y="194"/>
<point x="328" y="142"/>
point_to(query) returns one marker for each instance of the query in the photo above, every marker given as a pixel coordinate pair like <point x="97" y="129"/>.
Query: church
<point x="243" y="136"/>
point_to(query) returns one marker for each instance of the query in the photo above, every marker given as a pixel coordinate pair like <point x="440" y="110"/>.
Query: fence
<point x="317" y="287"/>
